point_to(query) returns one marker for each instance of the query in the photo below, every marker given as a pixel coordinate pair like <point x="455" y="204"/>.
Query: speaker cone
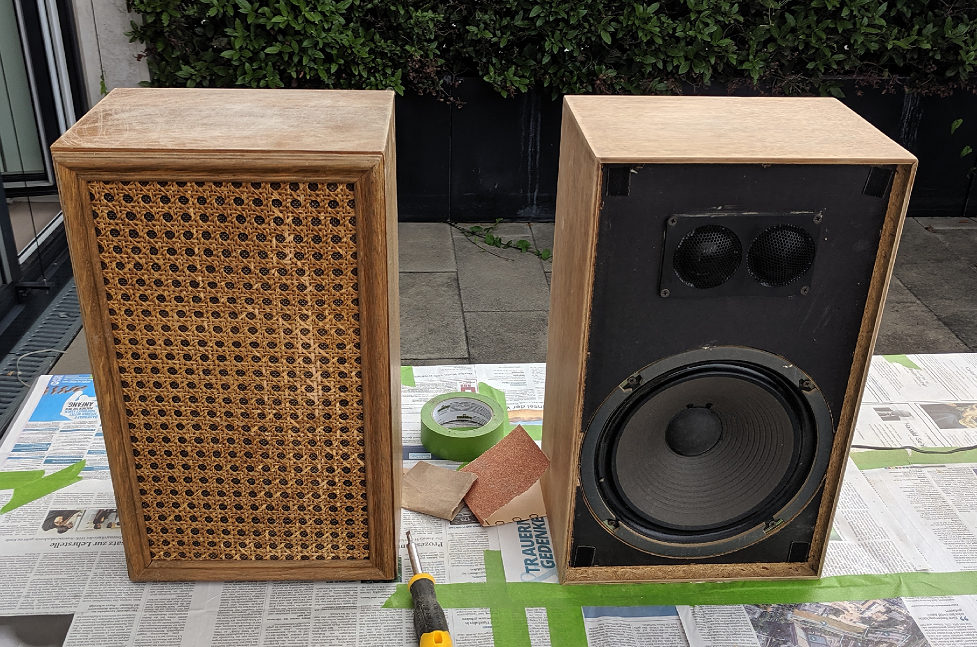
<point x="780" y="255"/>
<point x="707" y="256"/>
<point x="706" y="456"/>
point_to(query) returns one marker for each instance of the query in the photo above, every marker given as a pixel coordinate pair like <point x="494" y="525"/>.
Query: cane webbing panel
<point x="235" y="314"/>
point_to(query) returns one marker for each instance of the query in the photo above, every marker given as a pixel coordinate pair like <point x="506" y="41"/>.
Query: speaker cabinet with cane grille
<point x="235" y="253"/>
<point x="720" y="266"/>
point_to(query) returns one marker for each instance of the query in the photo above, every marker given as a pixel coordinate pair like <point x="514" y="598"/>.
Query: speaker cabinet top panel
<point x="746" y="130"/>
<point x="196" y="119"/>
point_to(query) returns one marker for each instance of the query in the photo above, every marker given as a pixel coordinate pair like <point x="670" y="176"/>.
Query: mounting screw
<point x="612" y="523"/>
<point x="664" y="293"/>
<point x="817" y="217"/>
<point x="632" y="382"/>
<point x="805" y="290"/>
<point x="672" y="221"/>
<point x="772" y="524"/>
<point x="806" y="385"/>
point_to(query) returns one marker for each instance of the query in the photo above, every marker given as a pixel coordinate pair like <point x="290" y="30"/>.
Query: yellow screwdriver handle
<point x="436" y="639"/>
<point x="430" y="625"/>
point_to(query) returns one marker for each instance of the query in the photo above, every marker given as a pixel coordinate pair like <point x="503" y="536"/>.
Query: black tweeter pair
<point x="704" y="254"/>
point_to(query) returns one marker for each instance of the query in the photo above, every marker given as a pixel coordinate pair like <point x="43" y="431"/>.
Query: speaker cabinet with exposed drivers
<point x="235" y="253"/>
<point x="720" y="266"/>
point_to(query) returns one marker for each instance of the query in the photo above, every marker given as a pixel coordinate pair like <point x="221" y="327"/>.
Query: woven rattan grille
<point x="234" y="307"/>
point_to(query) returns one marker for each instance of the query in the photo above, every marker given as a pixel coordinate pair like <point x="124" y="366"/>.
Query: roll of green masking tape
<point x="460" y="426"/>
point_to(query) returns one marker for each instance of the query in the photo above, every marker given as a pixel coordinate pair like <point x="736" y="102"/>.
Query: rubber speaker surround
<point x="767" y="463"/>
<point x="780" y="255"/>
<point x="707" y="256"/>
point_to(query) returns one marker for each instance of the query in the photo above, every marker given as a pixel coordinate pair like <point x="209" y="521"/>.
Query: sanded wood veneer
<point x="599" y="130"/>
<point x="196" y="167"/>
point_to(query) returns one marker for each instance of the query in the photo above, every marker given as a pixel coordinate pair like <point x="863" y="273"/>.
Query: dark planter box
<point x="497" y="157"/>
<point x="493" y="157"/>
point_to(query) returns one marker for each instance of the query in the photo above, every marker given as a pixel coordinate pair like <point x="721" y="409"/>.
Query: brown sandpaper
<point x="435" y="490"/>
<point x="504" y="472"/>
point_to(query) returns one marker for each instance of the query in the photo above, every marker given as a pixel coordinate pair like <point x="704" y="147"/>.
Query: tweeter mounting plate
<point x="739" y="254"/>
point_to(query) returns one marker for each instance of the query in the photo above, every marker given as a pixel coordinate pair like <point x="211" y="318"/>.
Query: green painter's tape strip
<point x="499" y="396"/>
<point x="407" y="376"/>
<point x="878" y="458"/>
<point x="535" y="431"/>
<point x="10" y="480"/>
<point x="566" y="620"/>
<point x="30" y="490"/>
<point x="461" y="426"/>
<point x="903" y="360"/>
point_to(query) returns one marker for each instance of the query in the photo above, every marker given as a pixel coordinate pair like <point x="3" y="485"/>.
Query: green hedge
<point x="578" y="46"/>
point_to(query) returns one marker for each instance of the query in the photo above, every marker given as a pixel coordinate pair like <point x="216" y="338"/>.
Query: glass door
<point x="40" y="86"/>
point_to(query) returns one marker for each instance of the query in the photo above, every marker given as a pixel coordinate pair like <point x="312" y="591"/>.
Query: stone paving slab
<point x="918" y="245"/>
<point x="959" y="243"/>
<point x="507" y="337"/>
<point x="952" y="278"/>
<point x="500" y="280"/>
<point x="899" y="293"/>
<point x="959" y="316"/>
<point x="939" y="224"/>
<point x="912" y="328"/>
<point x="426" y="247"/>
<point x="75" y="359"/>
<point x="432" y="324"/>
<point x="543" y="236"/>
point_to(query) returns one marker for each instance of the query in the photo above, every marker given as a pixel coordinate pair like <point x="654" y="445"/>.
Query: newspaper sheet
<point x="634" y="627"/>
<point x="919" y="401"/>
<point x="63" y="556"/>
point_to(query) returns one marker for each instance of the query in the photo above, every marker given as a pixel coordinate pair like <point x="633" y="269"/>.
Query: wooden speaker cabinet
<point x="235" y="253"/>
<point x="720" y="266"/>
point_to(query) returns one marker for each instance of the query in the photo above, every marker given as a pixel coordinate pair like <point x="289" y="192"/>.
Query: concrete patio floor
<point x="462" y="304"/>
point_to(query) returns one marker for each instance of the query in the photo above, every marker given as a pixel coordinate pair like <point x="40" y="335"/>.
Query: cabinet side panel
<point x="393" y="301"/>
<point x="570" y="295"/>
<point x="379" y="331"/>
<point x="888" y="244"/>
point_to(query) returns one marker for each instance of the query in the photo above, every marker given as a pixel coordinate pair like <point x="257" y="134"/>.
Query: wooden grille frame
<point x="372" y="173"/>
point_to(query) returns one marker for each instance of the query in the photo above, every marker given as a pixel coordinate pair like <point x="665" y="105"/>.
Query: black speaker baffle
<point x="706" y="452"/>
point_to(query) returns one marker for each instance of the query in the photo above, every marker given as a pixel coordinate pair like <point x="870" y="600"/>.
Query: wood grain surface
<point x="735" y="130"/>
<point x="280" y="121"/>
<point x="574" y="250"/>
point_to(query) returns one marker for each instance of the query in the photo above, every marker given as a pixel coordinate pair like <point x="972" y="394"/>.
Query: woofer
<point x="706" y="452"/>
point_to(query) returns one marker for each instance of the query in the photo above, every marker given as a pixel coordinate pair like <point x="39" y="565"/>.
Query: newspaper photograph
<point x="872" y="623"/>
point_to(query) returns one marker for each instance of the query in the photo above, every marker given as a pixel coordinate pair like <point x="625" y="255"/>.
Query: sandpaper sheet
<point x="435" y="490"/>
<point x="505" y="472"/>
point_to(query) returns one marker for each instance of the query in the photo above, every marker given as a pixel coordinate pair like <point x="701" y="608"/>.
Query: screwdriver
<point x="430" y="625"/>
